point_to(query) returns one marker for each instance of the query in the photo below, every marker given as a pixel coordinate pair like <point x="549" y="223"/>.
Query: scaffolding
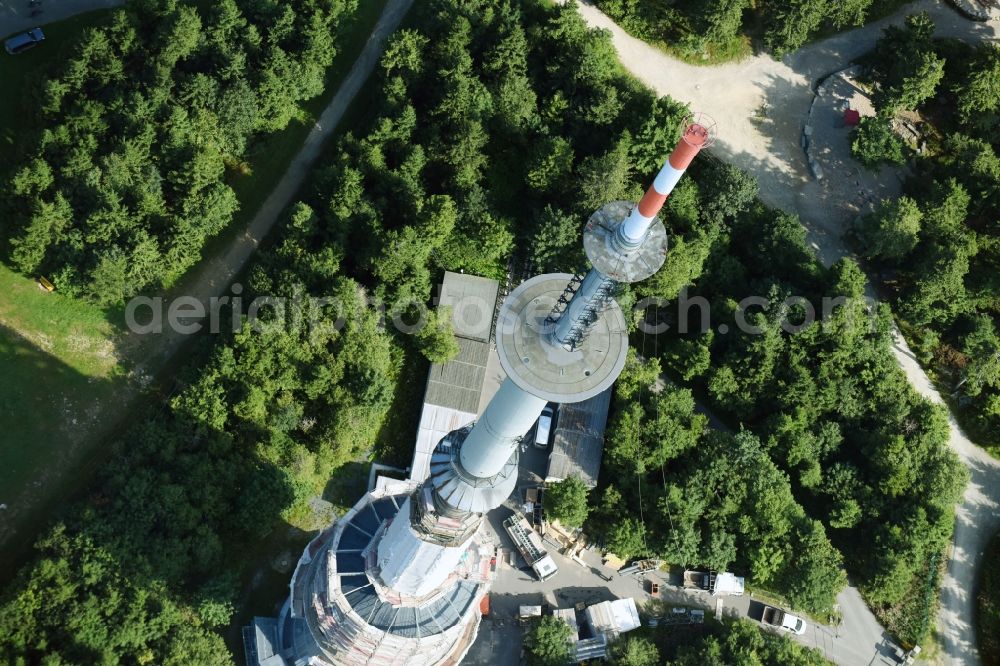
<point x="355" y="620"/>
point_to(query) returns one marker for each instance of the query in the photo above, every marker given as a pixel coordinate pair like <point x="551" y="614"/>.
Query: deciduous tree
<point x="566" y="501"/>
<point x="548" y="643"/>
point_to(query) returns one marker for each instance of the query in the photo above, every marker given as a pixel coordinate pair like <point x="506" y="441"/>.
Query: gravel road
<point x="767" y="145"/>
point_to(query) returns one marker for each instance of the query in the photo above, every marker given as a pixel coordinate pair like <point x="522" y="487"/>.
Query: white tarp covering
<point x="615" y="617"/>
<point x="410" y="566"/>
<point x="728" y="583"/>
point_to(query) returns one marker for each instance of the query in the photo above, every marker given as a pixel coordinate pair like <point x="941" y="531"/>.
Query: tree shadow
<point x="48" y="417"/>
<point x="398" y="434"/>
<point x="756" y="611"/>
<point x="348" y="483"/>
<point x="182" y="514"/>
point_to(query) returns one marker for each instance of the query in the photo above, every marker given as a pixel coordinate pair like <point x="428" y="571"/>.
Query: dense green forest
<point x="938" y="246"/>
<point x="729" y="643"/>
<point x="495" y="124"/>
<point x="836" y="462"/>
<point x="139" y="133"/>
<point x="713" y="30"/>
<point x="483" y="120"/>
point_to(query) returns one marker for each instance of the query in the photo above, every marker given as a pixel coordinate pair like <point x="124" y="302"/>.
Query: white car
<point x="544" y="427"/>
<point x="794" y="624"/>
<point x="776" y="617"/>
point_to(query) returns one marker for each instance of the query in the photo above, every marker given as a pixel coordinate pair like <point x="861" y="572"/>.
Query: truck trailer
<point x="529" y="544"/>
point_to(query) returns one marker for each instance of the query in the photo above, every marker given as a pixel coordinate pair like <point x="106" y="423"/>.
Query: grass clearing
<point x="65" y="363"/>
<point x="54" y="420"/>
<point x="735" y="50"/>
<point x="44" y="405"/>
<point x="74" y="332"/>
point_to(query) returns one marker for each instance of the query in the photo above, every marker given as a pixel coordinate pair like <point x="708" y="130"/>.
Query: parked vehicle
<point x="696" y="580"/>
<point x="718" y="584"/>
<point x="907" y="658"/>
<point x="24" y="41"/>
<point x="544" y="427"/>
<point x="776" y="617"/>
<point x="530" y="545"/>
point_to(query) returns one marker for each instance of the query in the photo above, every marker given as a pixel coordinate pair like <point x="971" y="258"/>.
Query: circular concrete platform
<point x="602" y="241"/>
<point x="546" y="369"/>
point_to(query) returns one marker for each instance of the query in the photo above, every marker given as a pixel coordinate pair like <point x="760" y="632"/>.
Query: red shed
<point x="851" y="117"/>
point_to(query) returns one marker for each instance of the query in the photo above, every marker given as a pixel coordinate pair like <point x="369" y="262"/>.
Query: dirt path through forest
<point x="767" y="145"/>
<point x="211" y="278"/>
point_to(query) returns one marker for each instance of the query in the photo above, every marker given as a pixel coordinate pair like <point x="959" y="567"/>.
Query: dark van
<point x="24" y="41"/>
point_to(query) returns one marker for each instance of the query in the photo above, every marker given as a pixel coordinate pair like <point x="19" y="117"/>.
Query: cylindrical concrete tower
<point x="370" y="589"/>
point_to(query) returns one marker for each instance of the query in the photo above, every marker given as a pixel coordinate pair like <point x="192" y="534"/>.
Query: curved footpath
<point x="768" y="146"/>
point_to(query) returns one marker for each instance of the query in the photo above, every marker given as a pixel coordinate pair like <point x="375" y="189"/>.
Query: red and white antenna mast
<point x="360" y="586"/>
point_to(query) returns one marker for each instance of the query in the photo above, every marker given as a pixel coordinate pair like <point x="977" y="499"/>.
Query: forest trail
<point x="213" y="276"/>
<point x="761" y="106"/>
<point x="210" y="278"/>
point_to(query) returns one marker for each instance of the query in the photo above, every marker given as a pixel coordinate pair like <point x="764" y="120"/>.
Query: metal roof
<point x="454" y="390"/>
<point x="435" y="423"/>
<point x="260" y="642"/>
<point x="578" y="443"/>
<point x="591" y="648"/>
<point x="457" y="383"/>
<point x="472" y="300"/>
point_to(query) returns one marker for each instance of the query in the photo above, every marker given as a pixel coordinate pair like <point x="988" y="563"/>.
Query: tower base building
<point x="340" y="611"/>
